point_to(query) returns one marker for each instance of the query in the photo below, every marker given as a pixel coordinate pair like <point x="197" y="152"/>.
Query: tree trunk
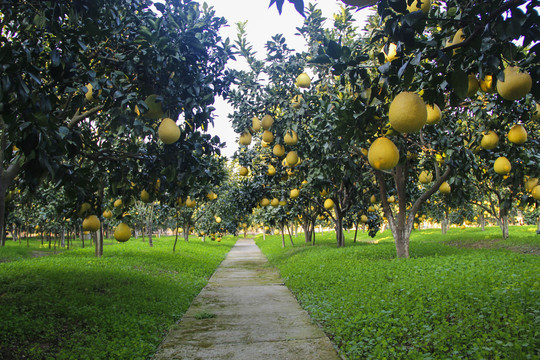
<point x="355" y="232"/>
<point x="307" y="230"/>
<point x="282" y="237"/>
<point x="482" y="222"/>
<point x="82" y="236"/>
<point x="99" y="241"/>
<point x="63" y="238"/>
<point x="503" y="224"/>
<point x="445" y="223"/>
<point x="340" y="236"/>
<point x="538" y="224"/>
<point x="186" y="232"/>
<point x="290" y="236"/>
<point x="149" y="225"/>
<point x="401" y="236"/>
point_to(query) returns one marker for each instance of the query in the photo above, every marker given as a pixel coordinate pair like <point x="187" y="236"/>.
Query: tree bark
<point x="99" y="241"/>
<point x="176" y="230"/>
<point x="282" y="237"/>
<point x="503" y="224"/>
<point x="482" y="222"/>
<point x="149" y="225"/>
<point x="355" y="232"/>
<point x="290" y="236"/>
<point x="306" y="225"/>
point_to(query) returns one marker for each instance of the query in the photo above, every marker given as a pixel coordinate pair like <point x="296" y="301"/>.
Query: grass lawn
<point x="464" y="295"/>
<point x="75" y="306"/>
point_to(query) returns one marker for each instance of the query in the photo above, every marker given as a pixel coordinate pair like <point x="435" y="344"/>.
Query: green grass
<point x="75" y="306"/>
<point x="453" y="299"/>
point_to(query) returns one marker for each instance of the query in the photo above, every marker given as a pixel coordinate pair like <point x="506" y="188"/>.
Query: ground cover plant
<point x="446" y="301"/>
<point x="76" y="306"/>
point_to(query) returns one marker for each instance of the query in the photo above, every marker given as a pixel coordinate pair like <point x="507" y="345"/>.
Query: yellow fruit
<point x="297" y="101"/>
<point x="391" y="199"/>
<point x="245" y="138"/>
<point x="363" y="219"/>
<point x="271" y="170"/>
<point x="279" y="150"/>
<point x="531" y="183"/>
<point x="391" y="54"/>
<point x="91" y="223"/>
<point x="265" y="202"/>
<point x="264" y="143"/>
<point x="89" y="94"/>
<point x="536" y="192"/>
<point x="373" y="199"/>
<point x="179" y="201"/>
<point x="445" y="188"/>
<point x="490" y="140"/>
<point x="458" y="37"/>
<point x="517" y="134"/>
<point x="268" y="137"/>
<point x="383" y="154"/>
<point x="516" y="84"/>
<point x="433" y="114"/>
<point x="84" y="208"/>
<point x="371" y="209"/>
<point x="211" y="196"/>
<point x="408" y="113"/>
<point x="255" y="123"/>
<point x="243" y="171"/>
<point x="274" y="202"/>
<point x="294" y="193"/>
<point x="218" y="219"/>
<point x="122" y="233"/>
<point x="536" y="112"/>
<point x="267" y="122"/>
<point x="168" y="131"/>
<point x="423" y="5"/>
<point x="303" y="81"/>
<point x="291" y="137"/>
<point x="145" y="197"/>
<point x="107" y="214"/>
<point x="328" y="204"/>
<point x="425" y="177"/>
<point x="502" y="166"/>
<point x="155" y="111"/>
<point x="282" y="202"/>
<point x="118" y="203"/>
<point x="190" y="203"/>
<point x="486" y="84"/>
<point x="323" y="192"/>
<point x="473" y="85"/>
<point x="292" y="158"/>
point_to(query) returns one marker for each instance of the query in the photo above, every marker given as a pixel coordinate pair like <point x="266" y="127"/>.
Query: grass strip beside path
<point x="75" y="306"/>
<point x="446" y="301"/>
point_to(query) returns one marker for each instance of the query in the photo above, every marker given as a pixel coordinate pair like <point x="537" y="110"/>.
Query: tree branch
<point x="431" y="191"/>
<point x="480" y="26"/>
<point x="78" y="118"/>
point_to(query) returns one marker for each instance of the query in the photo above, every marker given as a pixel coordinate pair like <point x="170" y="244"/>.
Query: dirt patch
<point x="496" y="244"/>
<point x="491" y="244"/>
<point x="37" y="253"/>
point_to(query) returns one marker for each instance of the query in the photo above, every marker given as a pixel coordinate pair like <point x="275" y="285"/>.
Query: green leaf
<point x="460" y="83"/>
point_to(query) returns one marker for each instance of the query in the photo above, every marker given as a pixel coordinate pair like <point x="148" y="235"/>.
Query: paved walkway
<point x="256" y="317"/>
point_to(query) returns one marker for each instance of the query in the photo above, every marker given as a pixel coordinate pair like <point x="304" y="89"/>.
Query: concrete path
<point x="256" y="317"/>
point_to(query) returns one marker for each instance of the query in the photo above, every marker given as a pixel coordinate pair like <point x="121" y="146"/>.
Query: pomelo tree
<point x="413" y="57"/>
<point x="88" y="82"/>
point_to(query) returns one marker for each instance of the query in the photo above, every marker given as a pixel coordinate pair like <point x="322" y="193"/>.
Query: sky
<point x="263" y="23"/>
